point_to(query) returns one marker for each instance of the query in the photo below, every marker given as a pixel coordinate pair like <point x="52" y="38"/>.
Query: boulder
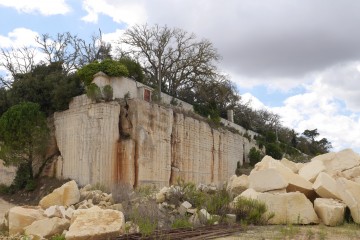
<point x="311" y="170"/>
<point x="21" y="217"/>
<point x="55" y="211"/>
<point x="184" y="207"/>
<point x="237" y="184"/>
<point x="289" y="164"/>
<point x="65" y="195"/>
<point x="266" y="180"/>
<point x="289" y="208"/>
<point x="160" y="197"/>
<point x="96" y="223"/>
<point x="204" y="216"/>
<point x="325" y="186"/>
<point x="352" y="173"/>
<point x="349" y="192"/>
<point x="249" y="193"/>
<point x="295" y="181"/>
<point x="48" y="227"/>
<point x="338" y="162"/>
<point x="330" y="211"/>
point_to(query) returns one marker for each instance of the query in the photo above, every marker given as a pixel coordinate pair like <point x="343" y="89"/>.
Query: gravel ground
<point x="309" y="232"/>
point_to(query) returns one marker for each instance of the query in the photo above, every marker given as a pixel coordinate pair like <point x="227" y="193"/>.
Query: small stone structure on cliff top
<point x="139" y="142"/>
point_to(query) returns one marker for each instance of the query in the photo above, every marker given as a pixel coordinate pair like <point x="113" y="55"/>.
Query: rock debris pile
<point x="305" y="193"/>
<point x="294" y="193"/>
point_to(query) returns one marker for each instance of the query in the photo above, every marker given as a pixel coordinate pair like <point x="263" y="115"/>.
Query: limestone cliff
<point x="138" y="143"/>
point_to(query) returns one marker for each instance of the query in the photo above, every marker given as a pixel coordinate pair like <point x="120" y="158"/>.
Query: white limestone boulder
<point x="21" y="217"/>
<point x="237" y="185"/>
<point x="55" y="211"/>
<point x="311" y="170"/>
<point x="183" y="208"/>
<point x="352" y="173"/>
<point x="48" y="227"/>
<point x="325" y="186"/>
<point x="349" y="193"/>
<point x="330" y="211"/>
<point x="337" y="162"/>
<point x="289" y="164"/>
<point x="160" y="197"/>
<point x="66" y="195"/>
<point x="96" y="223"/>
<point x="266" y="180"/>
<point x="289" y="208"/>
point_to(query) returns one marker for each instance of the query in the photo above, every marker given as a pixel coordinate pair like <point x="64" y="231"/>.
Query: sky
<point x="297" y="58"/>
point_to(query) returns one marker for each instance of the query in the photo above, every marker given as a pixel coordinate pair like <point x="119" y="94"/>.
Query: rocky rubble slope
<point x="320" y="190"/>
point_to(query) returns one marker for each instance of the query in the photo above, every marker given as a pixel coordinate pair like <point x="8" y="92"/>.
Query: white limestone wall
<point x="7" y="174"/>
<point x="142" y="143"/>
<point x="87" y="140"/>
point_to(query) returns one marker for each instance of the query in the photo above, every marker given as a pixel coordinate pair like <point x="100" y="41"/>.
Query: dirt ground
<point x="292" y="232"/>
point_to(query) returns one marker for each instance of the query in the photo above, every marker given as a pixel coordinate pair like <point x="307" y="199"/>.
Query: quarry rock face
<point x="330" y="211"/>
<point x="7" y="173"/>
<point x="96" y="223"/>
<point x="21" y="217"/>
<point x="65" y="195"/>
<point x="138" y="142"/>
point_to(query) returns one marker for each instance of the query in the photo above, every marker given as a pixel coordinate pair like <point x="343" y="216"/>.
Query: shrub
<point x="181" y="223"/>
<point x="110" y="67"/>
<point x="218" y="203"/>
<point x="93" y="92"/>
<point x="238" y="169"/>
<point x="22" y="177"/>
<point x="254" y="156"/>
<point x="114" y="68"/>
<point x="58" y="237"/>
<point x="250" y="211"/>
<point x="108" y="93"/>
<point x="146" y="216"/>
<point x="31" y="185"/>
<point x="273" y="150"/>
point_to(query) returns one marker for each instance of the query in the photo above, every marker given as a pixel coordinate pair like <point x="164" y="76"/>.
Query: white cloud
<point x="18" y="37"/>
<point x="44" y="7"/>
<point x="124" y="11"/>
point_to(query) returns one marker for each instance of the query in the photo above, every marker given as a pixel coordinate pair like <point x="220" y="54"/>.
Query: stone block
<point x="325" y="186"/>
<point x="311" y="170"/>
<point x="237" y="184"/>
<point x="96" y="223"/>
<point x="65" y="195"/>
<point x="48" y="227"/>
<point x="21" y="217"/>
<point x="330" y="211"/>
<point x="184" y="207"/>
<point x="349" y="192"/>
<point x="266" y="180"/>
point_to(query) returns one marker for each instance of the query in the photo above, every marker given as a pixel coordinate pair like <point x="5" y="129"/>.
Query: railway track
<point x="207" y="232"/>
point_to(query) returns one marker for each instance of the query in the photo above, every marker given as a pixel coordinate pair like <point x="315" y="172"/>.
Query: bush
<point x="113" y="68"/>
<point x="251" y="211"/>
<point x="218" y="203"/>
<point x="181" y="223"/>
<point x="146" y="216"/>
<point x="254" y="156"/>
<point x="273" y="150"/>
<point x="22" y="177"/>
<point x="108" y="93"/>
<point x="110" y="67"/>
<point x="93" y="92"/>
<point x="31" y="185"/>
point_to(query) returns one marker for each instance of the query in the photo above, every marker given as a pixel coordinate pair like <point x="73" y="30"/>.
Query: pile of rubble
<point x="299" y="193"/>
<point x="78" y="214"/>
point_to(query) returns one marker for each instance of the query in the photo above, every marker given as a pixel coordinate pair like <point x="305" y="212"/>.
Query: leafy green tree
<point x="93" y="92"/>
<point x="24" y="136"/>
<point x="107" y="93"/>
<point x="274" y="150"/>
<point x="254" y="156"/>
<point x="134" y="68"/>
<point x="311" y="134"/>
<point x="47" y="85"/>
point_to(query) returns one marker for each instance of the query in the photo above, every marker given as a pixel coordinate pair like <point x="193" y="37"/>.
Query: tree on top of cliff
<point x="170" y="56"/>
<point x="24" y="136"/>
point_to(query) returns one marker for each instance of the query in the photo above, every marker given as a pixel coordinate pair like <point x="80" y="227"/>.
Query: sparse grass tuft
<point x="251" y="211"/>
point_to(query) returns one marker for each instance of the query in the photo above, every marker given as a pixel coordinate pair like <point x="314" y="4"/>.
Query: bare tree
<point x="63" y="48"/>
<point x="171" y="57"/>
<point x="97" y="49"/>
<point x="17" y="61"/>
